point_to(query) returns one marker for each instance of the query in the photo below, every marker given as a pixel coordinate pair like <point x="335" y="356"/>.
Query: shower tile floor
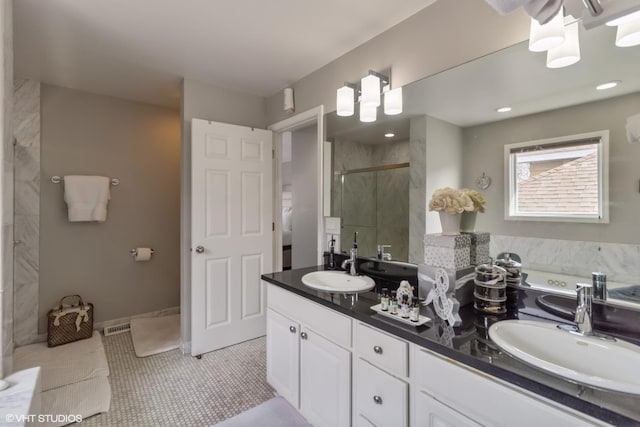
<point x="172" y="389"/>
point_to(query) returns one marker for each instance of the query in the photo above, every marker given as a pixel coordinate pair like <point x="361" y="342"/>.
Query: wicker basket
<point x="70" y="323"/>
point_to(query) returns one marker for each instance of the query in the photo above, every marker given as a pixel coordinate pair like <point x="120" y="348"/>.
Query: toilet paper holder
<point x="134" y="252"/>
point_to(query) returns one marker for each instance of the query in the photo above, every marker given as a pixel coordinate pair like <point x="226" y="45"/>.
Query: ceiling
<point x="141" y="49"/>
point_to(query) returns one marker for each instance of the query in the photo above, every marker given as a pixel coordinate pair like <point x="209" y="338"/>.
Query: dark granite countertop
<point x="470" y="344"/>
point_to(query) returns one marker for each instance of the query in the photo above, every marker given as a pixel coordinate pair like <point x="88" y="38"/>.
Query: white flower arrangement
<point x="451" y="201"/>
<point x="478" y="199"/>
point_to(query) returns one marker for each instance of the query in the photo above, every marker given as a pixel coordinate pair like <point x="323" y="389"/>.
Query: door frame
<point x="301" y="120"/>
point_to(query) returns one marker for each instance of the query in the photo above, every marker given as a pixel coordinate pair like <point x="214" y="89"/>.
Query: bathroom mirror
<point x="545" y="103"/>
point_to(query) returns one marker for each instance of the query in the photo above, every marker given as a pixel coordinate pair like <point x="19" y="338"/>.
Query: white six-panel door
<point x="231" y="233"/>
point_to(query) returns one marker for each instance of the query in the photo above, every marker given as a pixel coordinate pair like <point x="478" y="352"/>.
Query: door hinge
<point x="273" y="226"/>
<point x="273" y="154"/>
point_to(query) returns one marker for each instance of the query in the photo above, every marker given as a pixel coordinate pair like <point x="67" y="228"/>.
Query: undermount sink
<point x="598" y="362"/>
<point x="338" y="282"/>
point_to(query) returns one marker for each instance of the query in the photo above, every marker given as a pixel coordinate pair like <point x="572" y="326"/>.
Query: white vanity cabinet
<point x="308" y="357"/>
<point x="447" y="393"/>
<point x="381" y="378"/>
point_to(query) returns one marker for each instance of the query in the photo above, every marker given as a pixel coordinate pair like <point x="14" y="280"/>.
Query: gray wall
<point x="304" y="217"/>
<point x="202" y="101"/>
<point x="441" y="36"/>
<point x="484" y="153"/>
<point x="6" y="179"/>
<point x="138" y="143"/>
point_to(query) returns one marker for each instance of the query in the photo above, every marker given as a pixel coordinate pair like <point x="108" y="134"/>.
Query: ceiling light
<point x="368" y="112"/>
<point x="623" y="19"/>
<point x="389" y="135"/>
<point x="547" y="36"/>
<point x="628" y="33"/>
<point x="344" y="101"/>
<point x="503" y="109"/>
<point x="370" y="86"/>
<point x="393" y="102"/>
<point x="607" y="85"/>
<point x="567" y="53"/>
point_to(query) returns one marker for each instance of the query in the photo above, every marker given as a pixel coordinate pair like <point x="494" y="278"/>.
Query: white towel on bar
<point x="87" y="197"/>
<point x="633" y="129"/>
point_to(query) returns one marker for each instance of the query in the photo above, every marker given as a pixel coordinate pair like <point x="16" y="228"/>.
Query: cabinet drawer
<point x="472" y="393"/>
<point x="381" y="398"/>
<point x="322" y="320"/>
<point x="382" y="350"/>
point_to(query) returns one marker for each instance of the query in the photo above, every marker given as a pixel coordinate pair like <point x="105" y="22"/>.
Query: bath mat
<point x="276" y="412"/>
<point x="84" y="398"/>
<point x="64" y="364"/>
<point x="153" y="335"/>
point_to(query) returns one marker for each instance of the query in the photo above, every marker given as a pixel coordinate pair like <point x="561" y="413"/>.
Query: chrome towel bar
<point x="58" y="179"/>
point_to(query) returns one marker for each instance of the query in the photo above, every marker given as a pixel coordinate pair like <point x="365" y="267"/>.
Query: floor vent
<point x="117" y="329"/>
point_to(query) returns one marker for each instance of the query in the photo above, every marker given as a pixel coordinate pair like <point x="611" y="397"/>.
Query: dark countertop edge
<point x="525" y="383"/>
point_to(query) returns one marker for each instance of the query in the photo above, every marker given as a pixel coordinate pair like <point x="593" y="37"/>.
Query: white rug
<point x="153" y="335"/>
<point x="84" y="398"/>
<point x="276" y="412"/>
<point x="65" y="364"/>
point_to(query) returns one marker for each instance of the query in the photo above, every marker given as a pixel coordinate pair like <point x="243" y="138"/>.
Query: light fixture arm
<point x="384" y="79"/>
<point x="594" y="7"/>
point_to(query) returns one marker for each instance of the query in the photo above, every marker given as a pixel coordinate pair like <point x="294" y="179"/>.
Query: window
<point x="560" y="179"/>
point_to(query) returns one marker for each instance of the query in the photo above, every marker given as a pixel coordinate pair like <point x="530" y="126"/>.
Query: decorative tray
<point x="422" y="319"/>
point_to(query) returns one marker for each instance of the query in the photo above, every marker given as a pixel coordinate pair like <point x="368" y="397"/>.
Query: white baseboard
<point x="101" y="325"/>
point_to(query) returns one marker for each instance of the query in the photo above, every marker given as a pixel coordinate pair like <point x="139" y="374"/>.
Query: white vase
<point x="468" y="221"/>
<point x="450" y="223"/>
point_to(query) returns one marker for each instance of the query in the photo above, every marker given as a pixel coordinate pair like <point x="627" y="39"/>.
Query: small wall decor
<point x="483" y="182"/>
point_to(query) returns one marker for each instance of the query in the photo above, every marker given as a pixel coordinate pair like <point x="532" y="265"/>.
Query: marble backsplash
<point x="620" y="262"/>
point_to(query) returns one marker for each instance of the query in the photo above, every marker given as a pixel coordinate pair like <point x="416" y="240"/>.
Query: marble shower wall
<point x="618" y="261"/>
<point x="26" y="121"/>
<point x="6" y="130"/>
<point x="417" y="188"/>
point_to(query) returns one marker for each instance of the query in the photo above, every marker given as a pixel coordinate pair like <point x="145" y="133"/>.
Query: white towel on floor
<point x="87" y="197"/>
<point x="85" y="398"/>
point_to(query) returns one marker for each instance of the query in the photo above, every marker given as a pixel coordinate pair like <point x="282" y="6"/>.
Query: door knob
<point x="199" y="249"/>
<point x="377" y="349"/>
<point x="292" y="329"/>
<point x="377" y="400"/>
<point x="303" y="335"/>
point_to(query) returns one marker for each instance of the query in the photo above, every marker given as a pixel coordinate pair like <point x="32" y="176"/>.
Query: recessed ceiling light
<point x="389" y="135"/>
<point x="503" y="109"/>
<point x="607" y="85"/>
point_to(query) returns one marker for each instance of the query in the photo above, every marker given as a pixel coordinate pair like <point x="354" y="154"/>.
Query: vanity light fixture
<point x="567" y="53"/>
<point x="393" y="102"/>
<point x="368" y="94"/>
<point x="503" y="109"/>
<point x="547" y="36"/>
<point x="628" y="33"/>
<point x="345" y="100"/>
<point x="389" y="135"/>
<point x="368" y="113"/>
<point x="608" y="85"/>
<point x="623" y="19"/>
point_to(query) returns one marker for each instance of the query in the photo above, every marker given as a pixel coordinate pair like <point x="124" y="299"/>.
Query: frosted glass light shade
<point x="547" y="36"/>
<point x="569" y="52"/>
<point x="393" y="102"/>
<point x="344" y="101"/>
<point x="370" y="86"/>
<point x="368" y="112"/>
<point x="628" y="33"/>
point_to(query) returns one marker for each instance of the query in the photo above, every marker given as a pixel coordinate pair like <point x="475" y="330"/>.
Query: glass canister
<point x="513" y="277"/>
<point x="490" y="289"/>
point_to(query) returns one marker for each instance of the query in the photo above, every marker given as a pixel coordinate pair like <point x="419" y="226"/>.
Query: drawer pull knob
<point x="292" y="329"/>
<point x="377" y="349"/>
<point x="303" y="335"/>
<point x="377" y="399"/>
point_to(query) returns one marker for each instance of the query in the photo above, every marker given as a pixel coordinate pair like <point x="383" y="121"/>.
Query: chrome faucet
<point x="352" y="261"/>
<point x="382" y="255"/>
<point x="599" y="281"/>
<point x="584" y="313"/>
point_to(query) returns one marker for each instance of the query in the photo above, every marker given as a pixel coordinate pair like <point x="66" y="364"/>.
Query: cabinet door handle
<point x="292" y="329"/>
<point x="377" y="400"/>
<point x="303" y="335"/>
<point x="377" y="349"/>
